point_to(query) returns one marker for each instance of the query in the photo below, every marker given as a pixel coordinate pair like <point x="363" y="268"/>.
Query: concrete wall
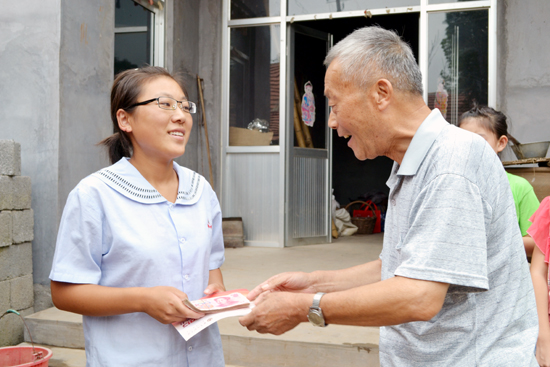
<point x="197" y="51"/>
<point x="524" y="67"/>
<point x="29" y="112"/>
<point x="16" y="234"/>
<point x="210" y="63"/>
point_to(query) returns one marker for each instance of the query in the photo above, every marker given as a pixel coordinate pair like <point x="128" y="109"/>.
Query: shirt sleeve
<point x="540" y="229"/>
<point x="528" y="204"/>
<point x="446" y="241"/>
<point x="217" y="253"/>
<point x="78" y="250"/>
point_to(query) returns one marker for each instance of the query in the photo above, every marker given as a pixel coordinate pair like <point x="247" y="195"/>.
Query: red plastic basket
<point x="24" y="356"/>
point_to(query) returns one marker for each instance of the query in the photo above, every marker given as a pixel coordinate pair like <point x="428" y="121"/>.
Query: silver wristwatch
<point x="315" y="315"/>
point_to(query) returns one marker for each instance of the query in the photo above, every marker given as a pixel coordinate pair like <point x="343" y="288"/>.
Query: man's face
<point x="351" y="113"/>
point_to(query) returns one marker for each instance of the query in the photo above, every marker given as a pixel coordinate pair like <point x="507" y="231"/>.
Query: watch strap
<point x="317" y="300"/>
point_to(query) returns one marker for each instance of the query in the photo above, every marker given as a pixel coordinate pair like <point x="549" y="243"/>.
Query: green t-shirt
<point x="525" y="199"/>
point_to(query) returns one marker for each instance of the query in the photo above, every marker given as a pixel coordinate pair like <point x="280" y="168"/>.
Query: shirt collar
<point x="128" y="181"/>
<point x="421" y="143"/>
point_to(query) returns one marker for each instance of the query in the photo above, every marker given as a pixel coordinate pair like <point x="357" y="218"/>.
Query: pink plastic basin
<point x="22" y="356"/>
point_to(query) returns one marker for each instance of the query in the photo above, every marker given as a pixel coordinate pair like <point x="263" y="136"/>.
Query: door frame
<point x="291" y="151"/>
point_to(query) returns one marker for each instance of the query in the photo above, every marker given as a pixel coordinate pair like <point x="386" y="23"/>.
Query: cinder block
<point x="6" y="192"/>
<point x="23" y="225"/>
<point x="6" y="229"/>
<point x="21" y="292"/>
<point x="15" y="261"/>
<point x="10" y="158"/>
<point x="22" y="192"/>
<point x="4" y="296"/>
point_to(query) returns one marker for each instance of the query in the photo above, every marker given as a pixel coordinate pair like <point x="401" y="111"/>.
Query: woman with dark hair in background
<point x="140" y="236"/>
<point x="491" y="125"/>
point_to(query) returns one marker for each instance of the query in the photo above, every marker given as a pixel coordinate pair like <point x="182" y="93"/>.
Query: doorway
<point x="350" y="178"/>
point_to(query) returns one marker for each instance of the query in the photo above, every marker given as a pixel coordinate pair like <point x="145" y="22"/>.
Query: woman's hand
<point x="543" y="351"/>
<point x="165" y="304"/>
<point x="214" y="288"/>
<point x="215" y="282"/>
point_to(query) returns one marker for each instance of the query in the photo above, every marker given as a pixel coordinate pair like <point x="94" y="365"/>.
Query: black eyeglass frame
<point x="192" y="105"/>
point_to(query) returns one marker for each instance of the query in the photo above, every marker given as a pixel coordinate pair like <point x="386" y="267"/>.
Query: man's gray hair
<point x="371" y="53"/>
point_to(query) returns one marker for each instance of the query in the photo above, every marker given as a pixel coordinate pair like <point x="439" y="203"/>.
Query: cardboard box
<point x="538" y="177"/>
<point x="233" y="232"/>
<point x="244" y="137"/>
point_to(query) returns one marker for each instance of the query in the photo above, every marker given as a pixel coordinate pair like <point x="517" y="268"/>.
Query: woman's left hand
<point x="214" y="288"/>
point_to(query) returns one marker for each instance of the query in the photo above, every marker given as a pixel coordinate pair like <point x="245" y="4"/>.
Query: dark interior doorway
<point x="353" y="179"/>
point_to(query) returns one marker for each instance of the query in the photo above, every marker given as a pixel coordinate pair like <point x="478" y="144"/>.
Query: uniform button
<point x="182" y="240"/>
<point x="186" y="277"/>
<point x="190" y="348"/>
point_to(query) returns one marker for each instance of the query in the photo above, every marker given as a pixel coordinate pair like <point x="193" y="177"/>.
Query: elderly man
<point x="452" y="285"/>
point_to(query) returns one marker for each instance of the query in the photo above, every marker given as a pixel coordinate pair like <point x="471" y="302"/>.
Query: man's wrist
<point x="315" y="314"/>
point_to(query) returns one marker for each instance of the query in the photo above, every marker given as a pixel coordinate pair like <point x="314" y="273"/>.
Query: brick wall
<point x="16" y="234"/>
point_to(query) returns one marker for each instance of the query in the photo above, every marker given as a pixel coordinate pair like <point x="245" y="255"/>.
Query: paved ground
<point x="248" y="266"/>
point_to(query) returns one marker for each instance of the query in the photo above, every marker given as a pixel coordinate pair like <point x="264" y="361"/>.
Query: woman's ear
<point x="123" y="118"/>
<point x="501" y="143"/>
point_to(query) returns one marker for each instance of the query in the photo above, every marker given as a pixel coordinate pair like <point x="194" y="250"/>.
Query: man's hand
<point x="277" y="312"/>
<point x="298" y="282"/>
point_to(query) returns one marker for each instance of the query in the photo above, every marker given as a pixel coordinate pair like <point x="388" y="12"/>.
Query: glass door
<point x="308" y="139"/>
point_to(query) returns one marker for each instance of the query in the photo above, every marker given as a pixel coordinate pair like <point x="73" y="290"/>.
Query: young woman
<point x="138" y="237"/>
<point x="491" y="125"/>
<point x="540" y="232"/>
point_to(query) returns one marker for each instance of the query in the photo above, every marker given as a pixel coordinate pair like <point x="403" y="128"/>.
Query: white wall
<point x="524" y="67"/>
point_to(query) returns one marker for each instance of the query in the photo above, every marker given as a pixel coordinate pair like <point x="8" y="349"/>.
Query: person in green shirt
<point x="491" y="125"/>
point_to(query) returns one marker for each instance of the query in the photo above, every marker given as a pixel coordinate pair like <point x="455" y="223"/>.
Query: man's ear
<point x="123" y="118"/>
<point x="384" y="92"/>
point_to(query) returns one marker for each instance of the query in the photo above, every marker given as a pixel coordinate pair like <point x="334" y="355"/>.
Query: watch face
<point x="316" y="318"/>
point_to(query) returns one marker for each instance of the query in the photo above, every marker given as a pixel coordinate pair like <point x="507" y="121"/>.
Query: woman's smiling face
<point x="155" y="132"/>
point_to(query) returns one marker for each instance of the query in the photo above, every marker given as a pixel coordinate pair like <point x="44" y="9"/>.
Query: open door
<point x="308" y="148"/>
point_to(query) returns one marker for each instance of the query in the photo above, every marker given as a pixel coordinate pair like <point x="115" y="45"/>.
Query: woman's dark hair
<point x="125" y="91"/>
<point x="491" y="119"/>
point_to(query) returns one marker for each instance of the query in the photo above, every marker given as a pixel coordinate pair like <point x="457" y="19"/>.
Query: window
<point x="254" y="86"/>
<point x="139" y="34"/>
<point x="458" y="65"/>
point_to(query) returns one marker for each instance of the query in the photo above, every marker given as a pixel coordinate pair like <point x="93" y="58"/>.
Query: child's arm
<point x="539" y="274"/>
<point x="215" y="282"/>
<point x="162" y="303"/>
<point x="529" y="244"/>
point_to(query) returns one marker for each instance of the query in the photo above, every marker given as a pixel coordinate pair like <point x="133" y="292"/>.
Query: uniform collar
<point x="126" y="179"/>
<point x="421" y="143"/>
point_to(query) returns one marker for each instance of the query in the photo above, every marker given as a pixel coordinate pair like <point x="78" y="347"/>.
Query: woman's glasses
<point x="167" y="103"/>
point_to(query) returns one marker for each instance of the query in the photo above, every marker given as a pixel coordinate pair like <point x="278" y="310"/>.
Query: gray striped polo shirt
<point x="451" y="218"/>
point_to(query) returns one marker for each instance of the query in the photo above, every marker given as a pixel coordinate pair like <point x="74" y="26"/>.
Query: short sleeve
<point x="78" y="250"/>
<point x="528" y="204"/>
<point x="446" y="241"/>
<point x="217" y="253"/>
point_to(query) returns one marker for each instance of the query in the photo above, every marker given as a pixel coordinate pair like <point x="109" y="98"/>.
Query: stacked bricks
<point x="16" y="234"/>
